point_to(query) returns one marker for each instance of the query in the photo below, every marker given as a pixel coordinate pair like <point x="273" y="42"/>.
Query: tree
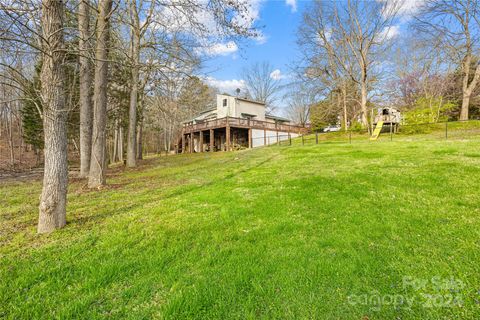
<point x="98" y="161"/>
<point x="53" y="200"/>
<point x="262" y="83"/>
<point x="347" y="39"/>
<point x="454" y="25"/>
<point x="86" y="108"/>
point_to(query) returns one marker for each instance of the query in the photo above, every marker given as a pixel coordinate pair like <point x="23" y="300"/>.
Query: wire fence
<point x="21" y="157"/>
<point x="453" y="130"/>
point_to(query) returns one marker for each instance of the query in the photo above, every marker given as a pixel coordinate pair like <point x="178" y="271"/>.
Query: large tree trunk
<point x="468" y="87"/>
<point x="132" y="114"/>
<point x="363" y="105"/>
<point x="98" y="161"/>
<point x="52" y="209"/>
<point x="85" y="85"/>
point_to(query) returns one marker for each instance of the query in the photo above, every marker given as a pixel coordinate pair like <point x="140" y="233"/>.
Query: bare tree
<point x="98" y="162"/>
<point x="52" y="209"/>
<point x="86" y="107"/>
<point x="299" y="102"/>
<point x="262" y="83"/>
<point x="350" y="38"/>
<point x="454" y="25"/>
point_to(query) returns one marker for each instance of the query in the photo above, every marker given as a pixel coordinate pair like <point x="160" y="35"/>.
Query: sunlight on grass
<point x="276" y="232"/>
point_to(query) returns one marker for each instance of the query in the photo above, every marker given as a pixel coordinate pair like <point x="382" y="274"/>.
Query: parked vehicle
<point x="332" y="128"/>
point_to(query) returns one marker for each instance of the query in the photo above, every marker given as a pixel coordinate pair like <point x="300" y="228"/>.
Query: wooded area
<point x="102" y="76"/>
<point x="355" y="59"/>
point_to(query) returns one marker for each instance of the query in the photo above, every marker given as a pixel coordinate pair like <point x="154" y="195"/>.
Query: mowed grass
<point x="377" y="230"/>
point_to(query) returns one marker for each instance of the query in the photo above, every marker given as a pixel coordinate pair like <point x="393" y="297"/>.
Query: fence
<point x="16" y="156"/>
<point x="452" y="130"/>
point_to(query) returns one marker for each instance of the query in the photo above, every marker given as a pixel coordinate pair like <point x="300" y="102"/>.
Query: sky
<point x="278" y="21"/>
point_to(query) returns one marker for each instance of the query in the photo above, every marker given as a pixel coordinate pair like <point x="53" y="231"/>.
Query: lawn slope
<point x="328" y="231"/>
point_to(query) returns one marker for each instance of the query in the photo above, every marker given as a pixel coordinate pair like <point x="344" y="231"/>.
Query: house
<point x="235" y="123"/>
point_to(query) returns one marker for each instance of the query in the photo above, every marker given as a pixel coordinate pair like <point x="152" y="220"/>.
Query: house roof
<point x="202" y="115"/>
<point x="249" y="100"/>
<point x="271" y="116"/>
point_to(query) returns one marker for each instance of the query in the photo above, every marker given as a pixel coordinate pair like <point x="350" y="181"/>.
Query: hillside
<point x="384" y="230"/>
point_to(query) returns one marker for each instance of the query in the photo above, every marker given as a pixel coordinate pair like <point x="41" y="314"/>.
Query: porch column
<point x="191" y="143"/>
<point x="228" y="137"/>
<point x="201" y="141"/>
<point x="183" y="143"/>
<point x="212" y="139"/>
<point x="249" y="137"/>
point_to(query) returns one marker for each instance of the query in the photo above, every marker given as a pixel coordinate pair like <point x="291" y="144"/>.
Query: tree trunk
<point x="120" y="144"/>
<point x="132" y="113"/>
<point x="53" y="200"/>
<point x="115" y="143"/>
<point x="85" y="85"/>
<point x="98" y="161"/>
<point x="465" y="106"/>
<point x="363" y="105"/>
<point x="10" y="138"/>
<point x="139" y="140"/>
<point x="345" y="114"/>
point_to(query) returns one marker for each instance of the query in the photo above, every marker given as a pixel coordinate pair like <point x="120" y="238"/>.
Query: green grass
<point x="277" y="232"/>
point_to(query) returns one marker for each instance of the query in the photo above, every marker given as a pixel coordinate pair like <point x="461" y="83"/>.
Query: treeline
<point x="418" y="57"/>
<point x="100" y="76"/>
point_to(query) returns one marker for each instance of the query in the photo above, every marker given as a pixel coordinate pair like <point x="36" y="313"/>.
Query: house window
<point x="224" y="102"/>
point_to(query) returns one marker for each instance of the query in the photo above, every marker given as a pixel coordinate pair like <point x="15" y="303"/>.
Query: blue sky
<point x="279" y="21"/>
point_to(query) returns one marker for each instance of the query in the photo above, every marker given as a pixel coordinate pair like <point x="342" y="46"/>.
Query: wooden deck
<point x="242" y="123"/>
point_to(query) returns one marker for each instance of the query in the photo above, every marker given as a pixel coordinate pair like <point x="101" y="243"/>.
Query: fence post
<point x="303" y="143"/>
<point x="290" y="138"/>
<point x="316" y="137"/>
<point x="446" y="130"/>
<point x="391" y="133"/>
<point x="350" y="136"/>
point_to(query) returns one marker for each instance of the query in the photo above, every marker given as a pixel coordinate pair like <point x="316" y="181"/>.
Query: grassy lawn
<point x="377" y="230"/>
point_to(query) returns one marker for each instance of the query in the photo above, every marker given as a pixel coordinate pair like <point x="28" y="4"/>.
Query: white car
<point x="332" y="128"/>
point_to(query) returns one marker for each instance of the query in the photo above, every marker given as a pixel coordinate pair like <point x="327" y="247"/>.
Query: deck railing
<point x="243" y="123"/>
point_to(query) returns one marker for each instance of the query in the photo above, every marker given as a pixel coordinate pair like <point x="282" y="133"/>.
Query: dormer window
<point x="224" y="102"/>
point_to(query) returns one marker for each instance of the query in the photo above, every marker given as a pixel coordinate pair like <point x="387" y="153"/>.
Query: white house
<point x="235" y="123"/>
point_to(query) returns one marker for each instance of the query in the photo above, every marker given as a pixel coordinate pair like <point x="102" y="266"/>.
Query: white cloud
<point x="277" y="75"/>
<point x="407" y="8"/>
<point x="410" y="7"/>
<point x="260" y="38"/>
<point x="210" y="35"/>
<point x="220" y="49"/>
<point x="228" y="86"/>
<point x="390" y="32"/>
<point x="292" y="3"/>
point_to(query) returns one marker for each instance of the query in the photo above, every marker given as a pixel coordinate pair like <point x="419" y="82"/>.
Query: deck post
<point x="249" y="137"/>
<point x="183" y="143"/>
<point x="201" y="141"/>
<point x="228" y="136"/>
<point x="212" y="139"/>
<point x="264" y="137"/>
<point x="191" y="143"/>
